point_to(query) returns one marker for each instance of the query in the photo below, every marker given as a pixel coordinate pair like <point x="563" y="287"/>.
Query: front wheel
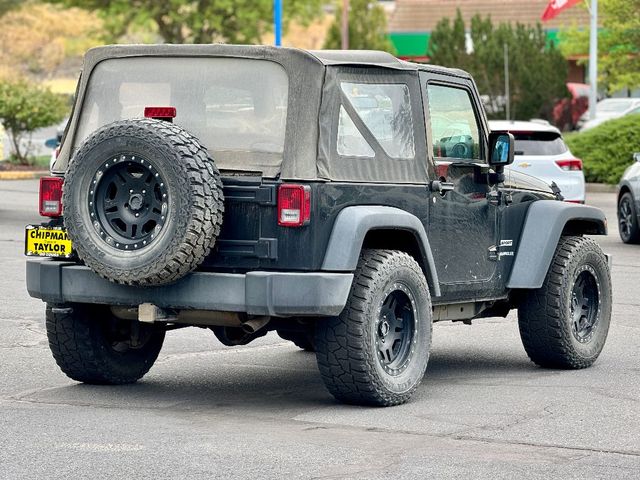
<point x="91" y="345"/>
<point x="376" y="351"/>
<point x="564" y="324"/>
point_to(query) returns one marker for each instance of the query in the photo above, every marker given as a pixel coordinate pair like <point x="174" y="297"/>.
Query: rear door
<point x="462" y="222"/>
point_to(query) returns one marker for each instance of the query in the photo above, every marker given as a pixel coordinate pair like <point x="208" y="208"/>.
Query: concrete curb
<point x="22" y="175"/>
<point x="600" y="188"/>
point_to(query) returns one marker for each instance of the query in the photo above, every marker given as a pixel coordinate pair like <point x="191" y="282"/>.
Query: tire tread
<point x="344" y="361"/>
<point x="201" y="216"/>
<point x="544" y="331"/>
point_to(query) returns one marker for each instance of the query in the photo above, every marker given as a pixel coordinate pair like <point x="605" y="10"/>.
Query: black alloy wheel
<point x="128" y="202"/>
<point x="395" y="330"/>
<point x="585" y="304"/>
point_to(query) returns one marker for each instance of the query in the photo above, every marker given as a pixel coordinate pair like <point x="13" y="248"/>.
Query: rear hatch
<point x="252" y="237"/>
<point x="247" y="239"/>
<point x="241" y="122"/>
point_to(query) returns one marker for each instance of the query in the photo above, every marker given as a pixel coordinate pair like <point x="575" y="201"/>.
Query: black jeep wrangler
<point x="347" y="200"/>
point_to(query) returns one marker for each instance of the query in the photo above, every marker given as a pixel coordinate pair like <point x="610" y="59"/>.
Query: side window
<point x="454" y="129"/>
<point x="351" y="143"/>
<point x="385" y="109"/>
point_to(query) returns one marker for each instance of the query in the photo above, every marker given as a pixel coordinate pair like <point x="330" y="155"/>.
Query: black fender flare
<point x="545" y="222"/>
<point x="352" y="225"/>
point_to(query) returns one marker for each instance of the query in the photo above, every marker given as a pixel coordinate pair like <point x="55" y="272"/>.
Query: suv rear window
<point x="236" y="107"/>
<point x="539" y="143"/>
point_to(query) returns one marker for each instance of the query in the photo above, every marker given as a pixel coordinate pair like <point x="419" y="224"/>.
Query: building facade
<point x="412" y="21"/>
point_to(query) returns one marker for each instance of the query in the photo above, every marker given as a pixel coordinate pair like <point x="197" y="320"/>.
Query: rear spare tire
<point x="142" y="202"/>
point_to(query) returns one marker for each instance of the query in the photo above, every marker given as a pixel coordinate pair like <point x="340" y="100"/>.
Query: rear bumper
<point x="256" y="293"/>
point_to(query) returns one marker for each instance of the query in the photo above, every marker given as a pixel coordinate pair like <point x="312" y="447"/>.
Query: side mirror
<point x="636" y="157"/>
<point x="52" y="143"/>
<point x="501" y="145"/>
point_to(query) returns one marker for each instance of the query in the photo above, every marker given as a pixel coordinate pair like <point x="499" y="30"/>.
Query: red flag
<point x="556" y="6"/>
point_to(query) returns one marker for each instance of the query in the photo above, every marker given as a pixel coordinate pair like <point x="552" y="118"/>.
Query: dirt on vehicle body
<point x="347" y="200"/>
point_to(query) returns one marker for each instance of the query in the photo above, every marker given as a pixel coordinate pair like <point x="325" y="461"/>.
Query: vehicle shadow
<point x="444" y="364"/>
<point x="292" y="386"/>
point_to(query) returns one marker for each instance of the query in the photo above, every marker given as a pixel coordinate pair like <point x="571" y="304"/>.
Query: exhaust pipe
<point x="253" y="325"/>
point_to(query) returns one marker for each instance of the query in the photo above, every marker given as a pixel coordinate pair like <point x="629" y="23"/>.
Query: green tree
<point x="25" y="107"/>
<point x="196" y="21"/>
<point x="537" y="69"/>
<point x="447" y="44"/>
<point x="621" y="45"/>
<point x="618" y="44"/>
<point x="367" y="28"/>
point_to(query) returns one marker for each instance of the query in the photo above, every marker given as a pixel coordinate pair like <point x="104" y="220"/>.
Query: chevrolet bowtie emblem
<point x="524" y="165"/>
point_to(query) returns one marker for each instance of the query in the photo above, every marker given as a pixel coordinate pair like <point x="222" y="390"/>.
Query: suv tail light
<point x="294" y="205"/>
<point x="51" y="196"/>
<point x="572" y="165"/>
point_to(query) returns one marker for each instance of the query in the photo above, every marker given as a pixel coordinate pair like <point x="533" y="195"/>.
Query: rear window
<point x="236" y="107"/>
<point x="539" y="143"/>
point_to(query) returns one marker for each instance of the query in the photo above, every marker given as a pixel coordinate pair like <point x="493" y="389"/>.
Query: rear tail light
<point x="160" y="113"/>
<point x="573" y="165"/>
<point x="51" y="196"/>
<point x="294" y="205"/>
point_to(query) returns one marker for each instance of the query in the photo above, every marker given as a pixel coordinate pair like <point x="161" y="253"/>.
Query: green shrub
<point x="607" y="149"/>
<point x="25" y="107"/>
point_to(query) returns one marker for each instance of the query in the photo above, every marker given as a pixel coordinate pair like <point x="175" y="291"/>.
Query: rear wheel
<point x="376" y="351"/>
<point x="628" y="219"/>
<point x="90" y="345"/>
<point x="564" y="324"/>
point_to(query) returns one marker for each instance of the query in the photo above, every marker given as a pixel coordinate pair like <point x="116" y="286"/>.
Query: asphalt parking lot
<point x="261" y="411"/>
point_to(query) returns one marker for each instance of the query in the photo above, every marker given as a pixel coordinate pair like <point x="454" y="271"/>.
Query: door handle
<point x="441" y="186"/>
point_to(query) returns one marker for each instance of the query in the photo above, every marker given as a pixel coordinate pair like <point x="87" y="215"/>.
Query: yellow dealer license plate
<point x="47" y="242"/>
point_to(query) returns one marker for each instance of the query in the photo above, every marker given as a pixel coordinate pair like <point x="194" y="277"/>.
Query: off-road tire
<point x="346" y="350"/>
<point x="194" y="207"/>
<point x="85" y="352"/>
<point x="303" y="340"/>
<point x="544" y="316"/>
<point x="628" y="219"/>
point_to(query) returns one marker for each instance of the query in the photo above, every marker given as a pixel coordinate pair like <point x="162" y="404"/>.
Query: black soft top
<point x="306" y="70"/>
<point x="372" y="58"/>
